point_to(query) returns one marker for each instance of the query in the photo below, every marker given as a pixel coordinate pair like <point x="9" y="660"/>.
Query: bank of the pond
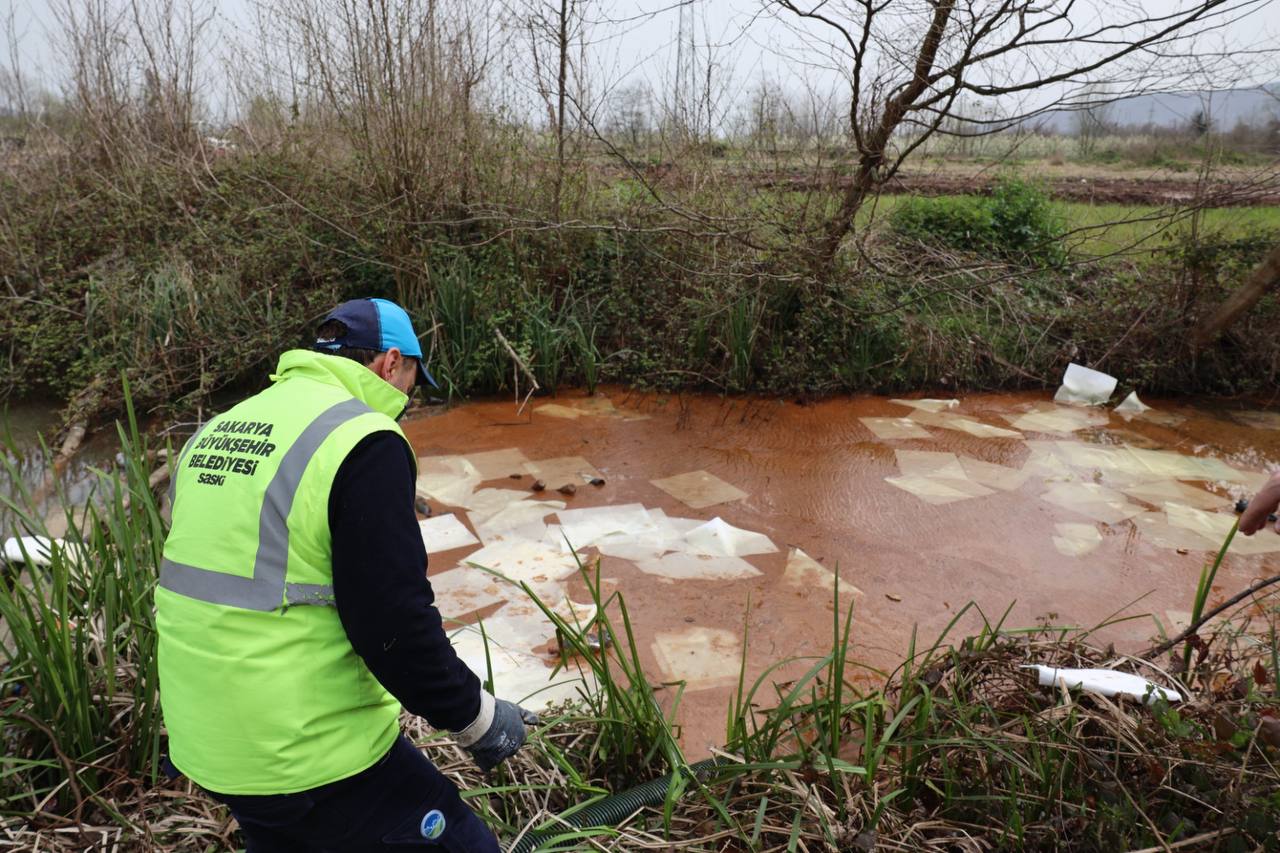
<point x="191" y="283"/>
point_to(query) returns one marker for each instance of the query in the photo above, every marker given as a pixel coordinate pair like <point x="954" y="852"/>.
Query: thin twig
<point x="533" y="381"/>
<point x="1195" y="626"/>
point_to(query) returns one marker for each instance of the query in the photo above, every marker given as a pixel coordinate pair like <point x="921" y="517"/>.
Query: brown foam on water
<point x="814" y="479"/>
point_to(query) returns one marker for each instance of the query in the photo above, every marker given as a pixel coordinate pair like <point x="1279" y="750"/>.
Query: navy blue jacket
<point x="380" y="582"/>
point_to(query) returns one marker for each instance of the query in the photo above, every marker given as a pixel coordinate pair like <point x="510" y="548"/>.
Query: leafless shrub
<point x="401" y="82"/>
<point x="133" y="75"/>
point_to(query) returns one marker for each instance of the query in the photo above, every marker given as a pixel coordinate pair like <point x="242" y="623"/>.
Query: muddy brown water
<point x="815" y="479"/>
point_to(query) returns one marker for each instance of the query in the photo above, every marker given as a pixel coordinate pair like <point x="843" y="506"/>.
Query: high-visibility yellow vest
<point x="261" y="690"/>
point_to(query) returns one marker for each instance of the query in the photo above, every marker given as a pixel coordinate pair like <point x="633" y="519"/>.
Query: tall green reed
<point x="1204" y="585"/>
<point x="635" y="736"/>
<point x="462" y="331"/>
<point x="547" y="338"/>
<point x="80" y="711"/>
<point x="740" y="331"/>
<point x="590" y="361"/>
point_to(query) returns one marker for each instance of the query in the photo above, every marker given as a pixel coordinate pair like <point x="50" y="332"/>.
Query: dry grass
<point x="972" y="750"/>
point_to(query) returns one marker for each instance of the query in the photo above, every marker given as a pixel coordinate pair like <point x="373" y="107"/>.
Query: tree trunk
<point x="562" y="83"/>
<point x="1264" y="277"/>
<point x="874" y="146"/>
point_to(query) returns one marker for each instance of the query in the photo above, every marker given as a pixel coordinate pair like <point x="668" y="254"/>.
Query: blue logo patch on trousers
<point x="432" y="826"/>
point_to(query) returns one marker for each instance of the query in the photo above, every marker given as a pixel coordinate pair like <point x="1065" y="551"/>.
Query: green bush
<point x="1213" y="256"/>
<point x="958" y="222"/>
<point x="1025" y="225"/>
<point x="1016" y="222"/>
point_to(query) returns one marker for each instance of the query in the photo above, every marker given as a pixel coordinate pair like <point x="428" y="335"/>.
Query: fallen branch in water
<point x="1195" y="626"/>
<point x="524" y="368"/>
<point x="70" y="446"/>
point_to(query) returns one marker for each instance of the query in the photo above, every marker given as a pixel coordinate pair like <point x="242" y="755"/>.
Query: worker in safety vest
<point x="295" y="617"/>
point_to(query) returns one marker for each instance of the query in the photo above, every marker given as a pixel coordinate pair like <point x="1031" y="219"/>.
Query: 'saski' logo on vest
<point x="432" y="825"/>
<point x="231" y="447"/>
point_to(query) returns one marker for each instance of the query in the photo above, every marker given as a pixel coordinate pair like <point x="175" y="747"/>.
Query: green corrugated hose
<point x="612" y="810"/>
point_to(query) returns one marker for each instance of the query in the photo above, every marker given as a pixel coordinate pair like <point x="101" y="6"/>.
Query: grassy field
<point x="1104" y="229"/>
<point x="1137" y="231"/>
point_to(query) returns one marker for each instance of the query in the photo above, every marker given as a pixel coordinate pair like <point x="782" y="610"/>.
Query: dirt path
<point x="1104" y="189"/>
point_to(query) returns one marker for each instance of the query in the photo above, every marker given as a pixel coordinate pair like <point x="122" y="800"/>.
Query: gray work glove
<point x="497" y="733"/>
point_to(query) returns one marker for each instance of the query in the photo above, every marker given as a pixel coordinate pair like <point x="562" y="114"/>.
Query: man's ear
<point x="380" y="363"/>
<point x="391" y="361"/>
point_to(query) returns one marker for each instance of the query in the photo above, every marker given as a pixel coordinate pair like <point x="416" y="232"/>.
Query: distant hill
<point x="1226" y="107"/>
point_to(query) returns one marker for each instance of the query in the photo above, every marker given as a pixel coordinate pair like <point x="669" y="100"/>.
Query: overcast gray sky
<point x="636" y="41"/>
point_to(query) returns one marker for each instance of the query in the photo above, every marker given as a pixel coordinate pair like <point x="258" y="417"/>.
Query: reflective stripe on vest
<point x="267" y="589"/>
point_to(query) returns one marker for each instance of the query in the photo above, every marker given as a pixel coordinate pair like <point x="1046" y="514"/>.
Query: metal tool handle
<point x="1242" y="505"/>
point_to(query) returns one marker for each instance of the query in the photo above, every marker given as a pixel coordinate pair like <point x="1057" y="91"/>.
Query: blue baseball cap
<point x="379" y="325"/>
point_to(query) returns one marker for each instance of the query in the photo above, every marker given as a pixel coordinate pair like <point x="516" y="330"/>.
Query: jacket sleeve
<point x="381" y="589"/>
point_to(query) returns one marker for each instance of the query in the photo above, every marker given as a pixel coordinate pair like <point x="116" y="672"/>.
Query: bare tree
<point x="1093" y="120"/>
<point x="695" y="98"/>
<point x="908" y="62"/>
<point x="764" y="117"/>
<point x="169" y="35"/>
<point x="1200" y="123"/>
<point x="557" y="34"/>
<point x="133" y="73"/>
<point x="14" y="83"/>
<point x="401" y="80"/>
<point x="631" y="114"/>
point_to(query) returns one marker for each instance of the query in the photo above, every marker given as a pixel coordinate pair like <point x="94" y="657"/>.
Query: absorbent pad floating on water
<point x="994" y="476"/>
<point x="804" y="572"/>
<point x="700" y="657"/>
<point x="518" y="675"/>
<point x="699" y="489"/>
<point x="894" y="428"/>
<point x="556" y="410"/>
<point x="444" y="533"/>
<point x="929" y="463"/>
<point x="718" y="538"/>
<point x="1076" y="540"/>
<point x="938" y="490"/>
<point x="1049" y="416"/>
<point x="678" y="566"/>
<point x="1084" y="386"/>
<point x="591" y="526"/>
<point x="1131" y="405"/>
<point x="517" y="520"/>
<point x="959" y="423"/>
<point x="447" y="479"/>
<point x="1106" y="682"/>
<point x="462" y="591"/>
<point x="561" y="470"/>
<point x="495" y="464"/>
<point x="927" y="405"/>
<point x="524" y="561"/>
<point x="487" y="503"/>
<point x="1092" y="501"/>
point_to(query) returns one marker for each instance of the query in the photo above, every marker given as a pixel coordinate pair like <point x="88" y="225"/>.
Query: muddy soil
<point x="1101" y="189"/>
<point x="819" y="479"/>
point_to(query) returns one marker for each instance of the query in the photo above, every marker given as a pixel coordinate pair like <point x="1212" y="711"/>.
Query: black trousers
<point x="400" y="803"/>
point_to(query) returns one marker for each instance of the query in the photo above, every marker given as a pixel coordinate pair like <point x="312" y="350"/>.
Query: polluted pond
<point x="855" y="624"/>
<point x="724" y="524"/>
